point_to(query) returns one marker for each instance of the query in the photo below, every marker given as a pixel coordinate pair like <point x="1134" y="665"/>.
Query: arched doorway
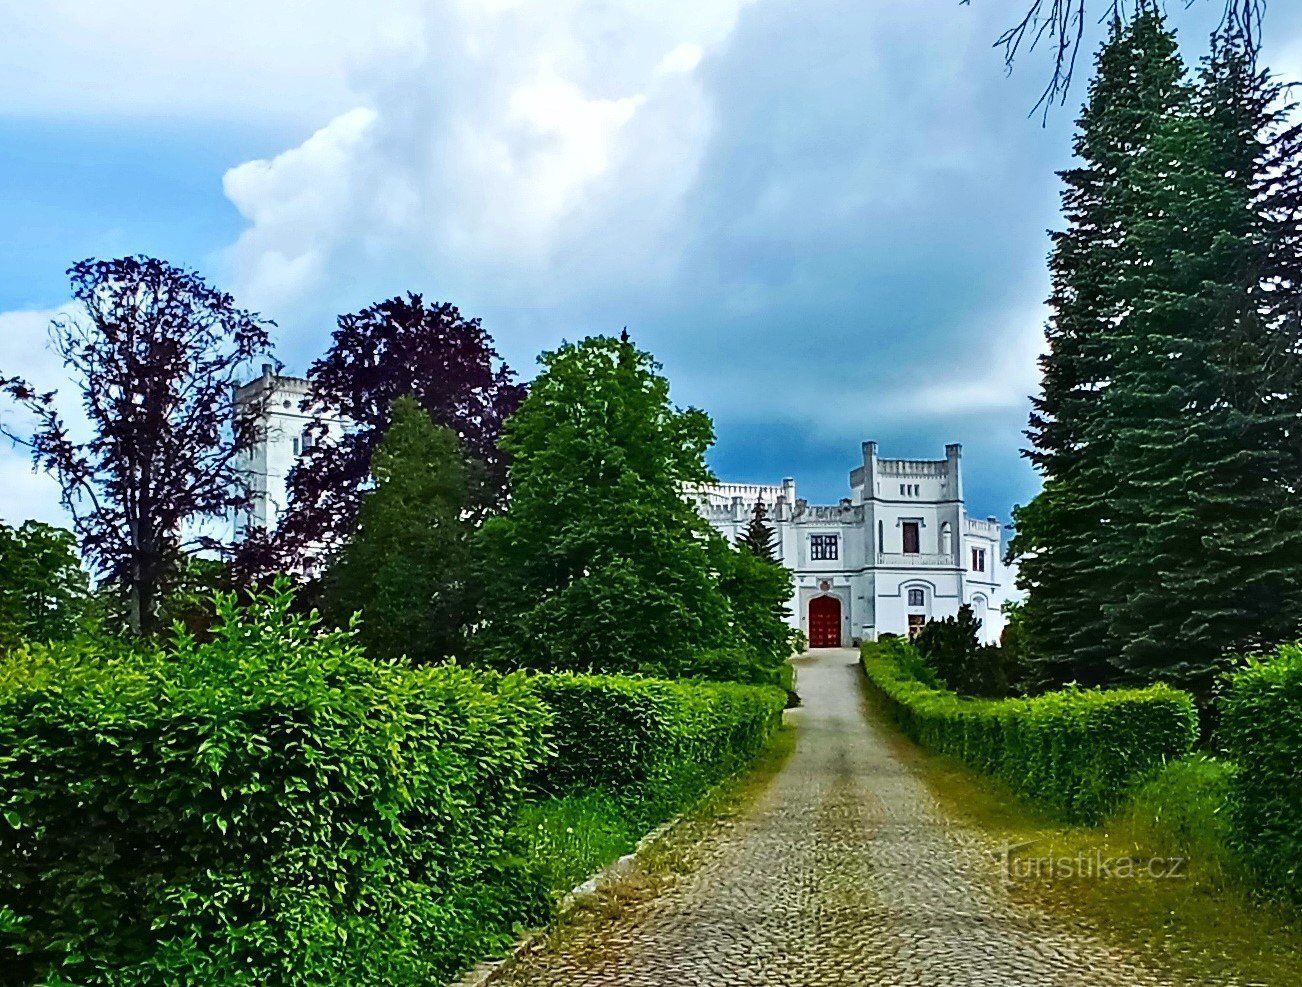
<point x="825" y="622"/>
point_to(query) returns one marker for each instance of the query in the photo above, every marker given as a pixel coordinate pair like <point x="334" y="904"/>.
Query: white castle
<point x="899" y="552"/>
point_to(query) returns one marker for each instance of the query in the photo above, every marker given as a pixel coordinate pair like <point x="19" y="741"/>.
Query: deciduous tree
<point x="600" y="562"/>
<point x="43" y="587"/>
<point x="404" y="346"/>
<point x="155" y="352"/>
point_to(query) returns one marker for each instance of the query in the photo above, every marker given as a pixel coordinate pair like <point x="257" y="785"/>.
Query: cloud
<point x="235" y="60"/>
<point x="523" y="138"/>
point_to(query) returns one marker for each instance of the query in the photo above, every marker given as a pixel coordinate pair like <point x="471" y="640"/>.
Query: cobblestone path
<point x="844" y="871"/>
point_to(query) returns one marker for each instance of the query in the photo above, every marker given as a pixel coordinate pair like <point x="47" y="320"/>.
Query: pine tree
<point x="407" y="567"/>
<point x="1061" y="533"/>
<point x="759" y="536"/>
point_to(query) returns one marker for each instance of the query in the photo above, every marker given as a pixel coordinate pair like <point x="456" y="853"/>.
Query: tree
<point x="758" y="591"/>
<point x="399" y="347"/>
<point x="1061" y="23"/>
<point x="952" y="648"/>
<point x="1139" y="83"/>
<point x="758" y="536"/>
<point x="406" y="568"/>
<point x="156" y="356"/>
<point x="43" y="588"/>
<point x="600" y="562"/>
<point x="1205" y="399"/>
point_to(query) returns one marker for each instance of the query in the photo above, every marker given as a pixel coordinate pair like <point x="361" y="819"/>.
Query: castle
<point x="899" y="552"/>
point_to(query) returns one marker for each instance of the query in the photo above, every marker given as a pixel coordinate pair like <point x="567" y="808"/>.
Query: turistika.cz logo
<point x="1083" y="866"/>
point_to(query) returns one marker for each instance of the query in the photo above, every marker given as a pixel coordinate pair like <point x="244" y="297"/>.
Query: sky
<point x="827" y="219"/>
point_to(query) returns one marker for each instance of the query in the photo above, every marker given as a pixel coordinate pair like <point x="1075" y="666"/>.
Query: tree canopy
<point x="155" y="353"/>
<point x="406" y="568"/>
<point x="600" y="562"/>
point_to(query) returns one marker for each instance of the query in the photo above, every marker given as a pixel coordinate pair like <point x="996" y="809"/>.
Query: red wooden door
<point x="825" y="622"/>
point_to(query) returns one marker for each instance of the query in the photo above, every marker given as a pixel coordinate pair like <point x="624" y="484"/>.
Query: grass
<point x="1201" y="920"/>
<point x="567" y="839"/>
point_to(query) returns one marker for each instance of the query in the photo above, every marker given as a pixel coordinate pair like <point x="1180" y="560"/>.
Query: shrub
<point x="1261" y="725"/>
<point x="655" y="744"/>
<point x="1077" y="752"/>
<point x="268" y="807"/>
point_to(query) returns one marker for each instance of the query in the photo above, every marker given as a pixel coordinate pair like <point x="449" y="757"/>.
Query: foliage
<point x="1078" y="752"/>
<point x="155" y="356"/>
<point x="406" y="569"/>
<point x="952" y="648"/>
<point x="1261" y="726"/>
<point x="1168" y="534"/>
<point x="656" y="745"/>
<point x="601" y="563"/>
<point x="759" y="536"/>
<point x="758" y="591"/>
<point x="395" y="348"/>
<point x="43" y="588"/>
<point x="1138" y="83"/>
<point x="1185" y="810"/>
<point x="269" y="807"/>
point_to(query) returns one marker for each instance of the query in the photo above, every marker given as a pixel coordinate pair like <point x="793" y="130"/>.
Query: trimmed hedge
<point x="268" y="808"/>
<point x="1077" y="752"/>
<point x="1261" y="726"/>
<point x="652" y="742"/>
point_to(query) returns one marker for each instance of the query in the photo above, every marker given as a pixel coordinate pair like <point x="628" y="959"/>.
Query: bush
<point x="1077" y="752"/>
<point x="269" y="807"/>
<point x="1261" y="725"/>
<point x="655" y="744"/>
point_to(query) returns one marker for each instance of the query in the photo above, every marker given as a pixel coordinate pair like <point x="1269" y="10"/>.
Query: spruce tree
<point x="1061" y="534"/>
<point x="406" y="568"/>
<point x="1206" y="546"/>
<point x="758" y="536"/>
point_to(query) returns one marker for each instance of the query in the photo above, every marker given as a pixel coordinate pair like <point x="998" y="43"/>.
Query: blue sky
<point x="826" y="219"/>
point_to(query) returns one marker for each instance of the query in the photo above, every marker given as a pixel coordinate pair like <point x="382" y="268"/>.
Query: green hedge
<point x="1077" y="752"/>
<point x="268" y="808"/>
<point x="650" y="741"/>
<point x="1261" y="725"/>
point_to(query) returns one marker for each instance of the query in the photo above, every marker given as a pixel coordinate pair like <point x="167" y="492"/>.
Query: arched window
<point x="917" y="598"/>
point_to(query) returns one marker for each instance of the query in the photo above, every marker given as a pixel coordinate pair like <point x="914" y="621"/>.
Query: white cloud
<point x="238" y="59"/>
<point x="517" y="136"/>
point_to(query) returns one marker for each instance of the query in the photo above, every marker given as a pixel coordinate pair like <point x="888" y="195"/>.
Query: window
<point x="823" y="548"/>
<point x="296" y="446"/>
<point x="912" y="540"/>
<point x="917" y="598"/>
<point x="909" y="489"/>
<point x="978" y="560"/>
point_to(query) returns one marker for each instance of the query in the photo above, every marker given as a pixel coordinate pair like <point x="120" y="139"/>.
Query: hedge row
<point x="1261" y="726"/>
<point x="272" y="807"/>
<point x="268" y="808"/>
<point x="653" y="742"/>
<point x="1077" y="752"/>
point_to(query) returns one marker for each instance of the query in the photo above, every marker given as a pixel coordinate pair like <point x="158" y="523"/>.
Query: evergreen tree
<point x="758" y="591"/>
<point x="1204" y="399"/>
<point x="1139" y="82"/>
<point x="406" y="569"/>
<point x="758" y="536"/>
<point x="600" y="562"/>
